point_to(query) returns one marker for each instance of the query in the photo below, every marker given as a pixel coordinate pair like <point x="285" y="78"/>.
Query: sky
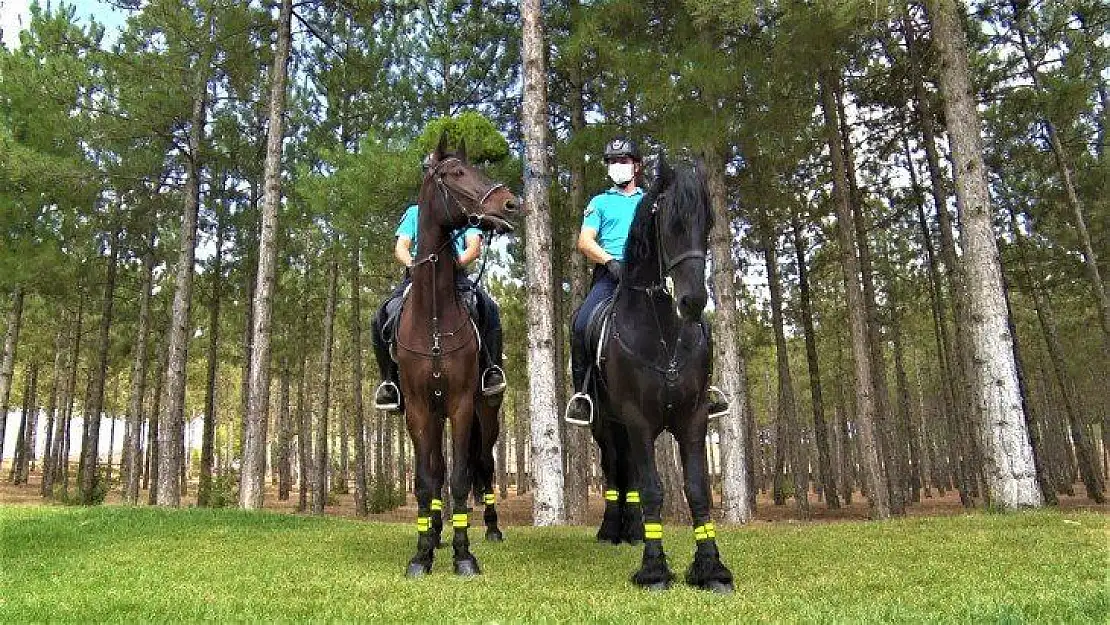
<point x="15" y="14"/>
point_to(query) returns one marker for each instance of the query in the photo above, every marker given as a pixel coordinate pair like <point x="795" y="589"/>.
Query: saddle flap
<point x="598" y="328"/>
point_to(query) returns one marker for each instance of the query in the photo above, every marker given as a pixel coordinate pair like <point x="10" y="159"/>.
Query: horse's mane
<point x="685" y="204"/>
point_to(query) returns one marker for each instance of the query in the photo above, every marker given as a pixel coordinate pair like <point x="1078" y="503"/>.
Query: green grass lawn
<point x="114" y="563"/>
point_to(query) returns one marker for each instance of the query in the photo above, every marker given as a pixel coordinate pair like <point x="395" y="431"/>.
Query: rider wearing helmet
<point x="467" y="247"/>
<point x="605" y="225"/>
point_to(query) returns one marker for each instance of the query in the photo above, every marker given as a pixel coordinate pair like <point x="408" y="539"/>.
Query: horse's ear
<point x="664" y="173"/>
<point x="462" y="150"/>
<point x="441" y="148"/>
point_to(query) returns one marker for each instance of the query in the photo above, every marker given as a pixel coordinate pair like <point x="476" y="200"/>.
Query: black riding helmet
<point x="622" y="146"/>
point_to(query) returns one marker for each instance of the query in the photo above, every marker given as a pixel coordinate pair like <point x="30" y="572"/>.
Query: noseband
<point x="472" y="218"/>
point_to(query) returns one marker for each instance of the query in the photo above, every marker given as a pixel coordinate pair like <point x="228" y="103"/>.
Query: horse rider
<point x="605" y="225"/>
<point x="467" y="247"/>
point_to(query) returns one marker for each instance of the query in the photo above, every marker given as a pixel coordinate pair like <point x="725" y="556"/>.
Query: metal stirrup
<point x="724" y="396"/>
<point x="567" y="413"/>
<point x="393" y="406"/>
<point x="497" y="389"/>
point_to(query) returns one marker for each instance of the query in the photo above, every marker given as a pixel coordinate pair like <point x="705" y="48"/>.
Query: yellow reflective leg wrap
<point x="489" y="499"/>
<point x="460" y="519"/>
<point x="611" y="495"/>
<point x="705" y="532"/>
<point x="423" y="523"/>
<point x="653" y="531"/>
<point x="632" y="496"/>
<point x="437" y="505"/>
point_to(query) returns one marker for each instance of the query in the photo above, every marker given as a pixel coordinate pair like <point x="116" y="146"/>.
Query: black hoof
<point x="494" y="536"/>
<point x="720" y="588"/>
<point x="417" y="569"/>
<point x="467" y="567"/>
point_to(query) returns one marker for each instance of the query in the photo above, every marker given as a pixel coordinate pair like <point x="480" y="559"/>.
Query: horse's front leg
<point x="706" y="571"/>
<point x="426" y="434"/>
<point x="462" y="421"/>
<point x="654" y="574"/>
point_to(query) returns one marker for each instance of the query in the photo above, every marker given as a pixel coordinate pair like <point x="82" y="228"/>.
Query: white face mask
<point x="620" y="173"/>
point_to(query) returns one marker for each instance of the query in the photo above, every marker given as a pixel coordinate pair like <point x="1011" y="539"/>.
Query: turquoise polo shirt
<point x="610" y="213"/>
<point x="407" y="228"/>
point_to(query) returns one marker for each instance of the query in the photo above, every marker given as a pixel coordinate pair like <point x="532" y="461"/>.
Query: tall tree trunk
<point x="1008" y="459"/>
<point x="579" y="440"/>
<point x="674" y="495"/>
<point x="1090" y="259"/>
<point x="885" y="430"/>
<point x="285" y="435"/>
<point x="172" y="416"/>
<point x="865" y="392"/>
<point x="320" y="492"/>
<point x="52" y="417"/>
<point x="7" y="365"/>
<point x="962" y="444"/>
<point x="304" y="438"/>
<point x="20" y="470"/>
<point x="787" y="410"/>
<point x="547" y="453"/>
<point x="253" y="481"/>
<point x="356" y="382"/>
<point x="132" y="458"/>
<point x="95" y="405"/>
<point x="1084" y="451"/>
<point x="820" y="429"/>
<point x="61" y="451"/>
<point x="520" y="421"/>
<point x="150" y="480"/>
<point x="907" y="433"/>
<point x="736" y="493"/>
<point x="208" y="440"/>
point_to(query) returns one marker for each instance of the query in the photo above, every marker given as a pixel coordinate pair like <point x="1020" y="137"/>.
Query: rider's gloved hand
<point x="615" y="269"/>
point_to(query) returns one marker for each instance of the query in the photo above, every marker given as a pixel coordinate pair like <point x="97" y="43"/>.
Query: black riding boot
<point x="580" y="406"/>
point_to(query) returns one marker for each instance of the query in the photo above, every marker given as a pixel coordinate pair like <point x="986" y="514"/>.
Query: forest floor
<point x="516" y="510"/>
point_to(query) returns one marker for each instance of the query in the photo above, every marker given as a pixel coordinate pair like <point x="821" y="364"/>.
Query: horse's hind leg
<point x="429" y="483"/>
<point x="654" y="574"/>
<point x="461" y="482"/>
<point x="482" y="440"/>
<point x="706" y="571"/>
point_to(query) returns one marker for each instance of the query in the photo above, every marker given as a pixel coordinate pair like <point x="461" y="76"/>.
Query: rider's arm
<point x="587" y="244"/>
<point x="473" y="249"/>
<point x="402" y="251"/>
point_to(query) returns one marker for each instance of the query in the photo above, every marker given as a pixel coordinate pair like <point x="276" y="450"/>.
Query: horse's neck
<point x="433" y="283"/>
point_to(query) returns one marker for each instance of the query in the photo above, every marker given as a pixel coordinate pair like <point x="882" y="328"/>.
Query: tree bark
<point x="52" y="413"/>
<point x="520" y="420"/>
<point x="7" y="365"/>
<point x="820" y="429"/>
<point x="579" y="440"/>
<point x="90" y="446"/>
<point x="285" y="435"/>
<point x="1084" y="451"/>
<point x="253" y="482"/>
<point x="736" y="487"/>
<point x="304" y="438"/>
<point x="547" y="454"/>
<point x="320" y="492"/>
<point x="132" y="457"/>
<point x="787" y="411"/>
<point x="865" y="393"/>
<point x="24" y="447"/>
<point x="150" y="480"/>
<point x="172" y="416"/>
<point x="356" y="382"/>
<point x="962" y="446"/>
<point x="1008" y="459"/>
<point x="204" y="488"/>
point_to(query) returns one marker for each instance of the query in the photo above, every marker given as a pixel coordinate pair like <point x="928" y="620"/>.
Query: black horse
<point x="655" y="366"/>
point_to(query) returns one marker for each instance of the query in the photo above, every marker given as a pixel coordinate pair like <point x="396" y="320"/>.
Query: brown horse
<point x="437" y="355"/>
